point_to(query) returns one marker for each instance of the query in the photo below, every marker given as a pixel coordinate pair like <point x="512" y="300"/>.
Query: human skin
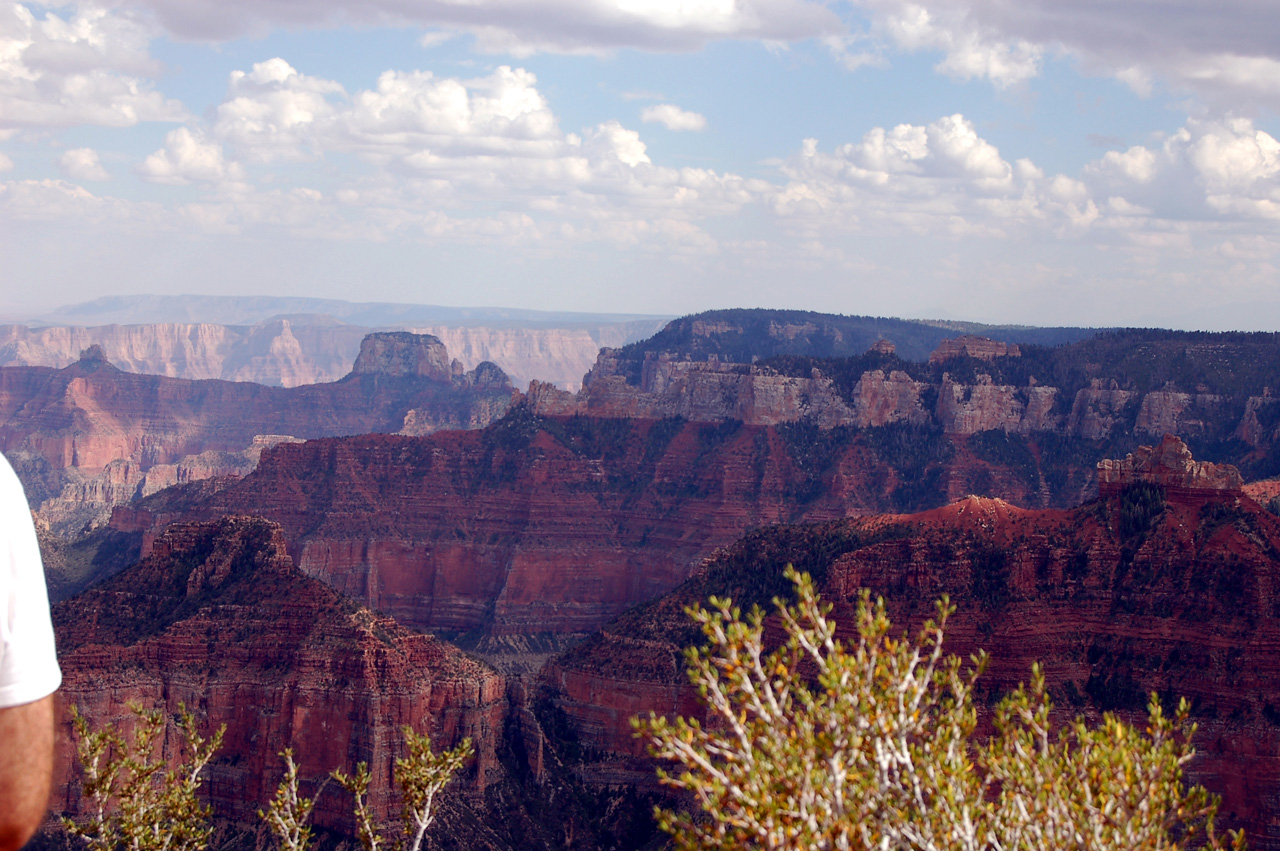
<point x="26" y="770"/>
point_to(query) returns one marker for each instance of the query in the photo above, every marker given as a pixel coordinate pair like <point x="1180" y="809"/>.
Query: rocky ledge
<point x="1170" y="466"/>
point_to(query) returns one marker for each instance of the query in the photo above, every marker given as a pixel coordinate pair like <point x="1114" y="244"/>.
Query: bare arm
<point x="26" y="770"/>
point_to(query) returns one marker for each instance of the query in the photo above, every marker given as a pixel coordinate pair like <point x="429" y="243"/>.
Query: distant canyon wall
<point x="89" y="436"/>
<point x="290" y="352"/>
<point x="713" y="391"/>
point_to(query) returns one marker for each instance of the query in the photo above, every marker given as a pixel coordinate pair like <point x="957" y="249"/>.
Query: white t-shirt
<point x="28" y="661"/>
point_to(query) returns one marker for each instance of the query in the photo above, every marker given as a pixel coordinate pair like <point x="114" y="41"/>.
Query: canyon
<point x="1120" y="384"/>
<point x="217" y="618"/>
<point x="219" y="621"/>
<point x="557" y="536"/>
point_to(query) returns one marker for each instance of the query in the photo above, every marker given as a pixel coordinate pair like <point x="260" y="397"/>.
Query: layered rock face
<point x="105" y="432"/>
<point x="1116" y="599"/>
<point x="280" y="352"/>
<point x="218" y="618"/>
<point x="538" y="525"/>
<point x="1108" y="392"/>
<point x="558" y="356"/>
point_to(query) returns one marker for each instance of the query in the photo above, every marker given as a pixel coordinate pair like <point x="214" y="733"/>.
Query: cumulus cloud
<point x="455" y="141"/>
<point x="440" y="150"/>
<point x="86" y="68"/>
<point x="271" y="111"/>
<point x="1205" y="171"/>
<point x="188" y="157"/>
<point x="516" y="26"/>
<point x="1211" y="180"/>
<point x="673" y="117"/>
<point x="82" y="164"/>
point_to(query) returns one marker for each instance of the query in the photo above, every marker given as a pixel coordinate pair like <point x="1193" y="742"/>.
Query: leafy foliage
<point x="136" y="803"/>
<point x="821" y="744"/>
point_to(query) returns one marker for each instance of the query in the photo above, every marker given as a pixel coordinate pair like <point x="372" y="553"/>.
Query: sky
<point x="1097" y="162"/>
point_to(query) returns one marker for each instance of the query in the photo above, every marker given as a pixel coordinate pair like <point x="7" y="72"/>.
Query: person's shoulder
<point x="8" y="478"/>
<point x="11" y="491"/>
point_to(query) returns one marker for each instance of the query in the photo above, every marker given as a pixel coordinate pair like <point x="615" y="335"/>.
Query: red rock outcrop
<point x="971" y="346"/>
<point x="1181" y="600"/>
<point x="1170" y="466"/>
<point x="217" y="617"/>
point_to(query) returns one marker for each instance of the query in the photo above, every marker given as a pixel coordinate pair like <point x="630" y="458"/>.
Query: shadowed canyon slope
<point x="91" y="434"/>
<point x="1173" y="590"/>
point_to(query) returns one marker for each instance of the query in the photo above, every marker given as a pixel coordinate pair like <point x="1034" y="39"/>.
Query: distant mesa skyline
<point x="1090" y="164"/>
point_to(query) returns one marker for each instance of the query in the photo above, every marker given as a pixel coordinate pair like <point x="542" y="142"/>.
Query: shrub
<point x="870" y="745"/>
<point x="136" y="803"/>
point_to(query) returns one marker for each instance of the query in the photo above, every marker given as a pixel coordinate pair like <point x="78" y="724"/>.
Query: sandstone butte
<point x="90" y="435"/>
<point x="1117" y="598"/>
<point x="218" y="617"/>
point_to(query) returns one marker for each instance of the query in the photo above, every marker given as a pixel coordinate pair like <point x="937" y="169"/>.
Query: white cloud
<point x="86" y="68"/>
<point x="1225" y="51"/>
<point x="518" y="27"/>
<point x="271" y="111"/>
<point x="970" y="49"/>
<point x="82" y="164"/>
<point x="6" y="164"/>
<point x="69" y="205"/>
<point x="188" y="157"/>
<point x="1205" y="171"/>
<point x="673" y="117"/>
<point x="479" y="159"/>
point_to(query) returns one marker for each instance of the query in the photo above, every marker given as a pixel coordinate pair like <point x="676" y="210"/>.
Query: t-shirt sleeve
<point x="28" y="659"/>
